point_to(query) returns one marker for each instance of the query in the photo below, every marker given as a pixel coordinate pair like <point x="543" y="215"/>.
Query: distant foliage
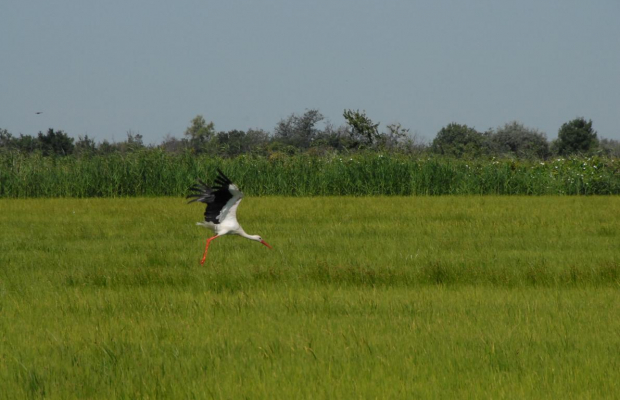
<point x="6" y="139"/>
<point x="199" y="134"/>
<point x="576" y="137"/>
<point x="609" y="147"/>
<point x="52" y="143"/>
<point x="55" y="143"/>
<point x="85" y="146"/>
<point x="298" y="131"/>
<point x="235" y="143"/>
<point x="310" y="133"/>
<point x="364" y="131"/>
<point x="456" y="140"/>
<point x="515" y="140"/>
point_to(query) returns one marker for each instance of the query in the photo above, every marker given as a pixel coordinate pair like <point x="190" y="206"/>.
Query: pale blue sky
<point x="104" y="68"/>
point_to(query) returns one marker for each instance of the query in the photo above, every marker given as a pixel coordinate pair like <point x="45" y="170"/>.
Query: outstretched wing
<point x="221" y="200"/>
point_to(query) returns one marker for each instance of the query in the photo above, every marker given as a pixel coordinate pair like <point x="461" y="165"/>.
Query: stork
<point x="221" y="213"/>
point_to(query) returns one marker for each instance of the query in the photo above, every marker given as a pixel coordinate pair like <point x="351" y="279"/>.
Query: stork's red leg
<point x="204" y="256"/>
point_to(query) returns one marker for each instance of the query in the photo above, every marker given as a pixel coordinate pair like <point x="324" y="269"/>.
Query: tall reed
<point x="157" y="173"/>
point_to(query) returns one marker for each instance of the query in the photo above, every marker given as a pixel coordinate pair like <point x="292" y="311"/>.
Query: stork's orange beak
<point x="266" y="244"/>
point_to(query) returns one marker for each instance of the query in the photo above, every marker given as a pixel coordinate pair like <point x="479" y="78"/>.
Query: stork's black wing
<point x="214" y="197"/>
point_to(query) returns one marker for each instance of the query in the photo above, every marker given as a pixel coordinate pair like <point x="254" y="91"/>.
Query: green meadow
<point x="361" y="297"/>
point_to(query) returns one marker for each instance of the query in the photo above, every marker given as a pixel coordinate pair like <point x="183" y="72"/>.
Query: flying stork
<point x="221" y="213"/>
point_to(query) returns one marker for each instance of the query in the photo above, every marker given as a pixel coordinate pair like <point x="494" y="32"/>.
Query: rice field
<point x="157" y="173"/>
<point x="361" y="297"/>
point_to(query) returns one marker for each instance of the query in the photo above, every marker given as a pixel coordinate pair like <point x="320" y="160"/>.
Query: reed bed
<point x="157" y="173"/>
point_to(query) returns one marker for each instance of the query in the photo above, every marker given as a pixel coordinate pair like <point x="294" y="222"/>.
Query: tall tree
<point x="55" y="143"/>
<point x="298" y="131"/>
<point x="458" y="140"/>
<point x="362" y="127"/>
<point x="231" y="143"/>
<point x="85" y="146"/>
<point x="610" y="147"/>
<point x="394" y="136"/>
<point x="519" y="141"/>
<point x="576" y="136"/>
<point x="134" y="141"/>
<point x="26" y="143"/>
<point x="199" y="133"/>
<point x="6" y="139"/>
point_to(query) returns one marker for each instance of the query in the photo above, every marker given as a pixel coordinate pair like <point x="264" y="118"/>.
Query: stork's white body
<point x="221" y="212"/>
<point x="228" y="216"/>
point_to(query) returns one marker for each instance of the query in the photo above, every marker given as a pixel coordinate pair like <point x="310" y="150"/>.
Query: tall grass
<point x="157" y="173"/>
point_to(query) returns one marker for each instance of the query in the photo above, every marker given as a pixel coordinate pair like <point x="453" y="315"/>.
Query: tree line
<point x="301" y="133"/>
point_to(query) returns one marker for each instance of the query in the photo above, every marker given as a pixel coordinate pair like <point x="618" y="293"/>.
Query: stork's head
<point x="259" y="239"/>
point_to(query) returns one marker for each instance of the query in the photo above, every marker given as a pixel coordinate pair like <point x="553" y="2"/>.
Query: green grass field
<point x="372" y="297"/>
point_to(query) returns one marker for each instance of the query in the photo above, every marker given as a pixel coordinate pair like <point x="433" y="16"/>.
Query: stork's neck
<point x="245" y="235"/>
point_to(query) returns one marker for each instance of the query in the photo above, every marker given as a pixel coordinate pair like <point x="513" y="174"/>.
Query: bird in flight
<point x="222" y="201"/>
<point x="39" y="112"/>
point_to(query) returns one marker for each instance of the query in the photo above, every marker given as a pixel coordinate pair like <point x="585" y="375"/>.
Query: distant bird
<point x="39" y="112"/>
<point x="221" y="213"/>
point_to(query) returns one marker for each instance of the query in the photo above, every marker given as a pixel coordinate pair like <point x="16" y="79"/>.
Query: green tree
<point x="363" y="130"/>
<point x="576" y="136"/>
<point x="6" y="139"/>
<point x="610" y="147"/>
<point x="26" y="144"/>
<point x="516" y="140"/>
<point x="234" y="143"/>
<point x="231" y="143"/>
<point x="105" y="148"/>
<point x="256" y="141"/>
<point x="55" y="143"/>
<point x="199" y="134"/>
<point x="393" y="137"/>
<point x="298" y="131"/>
<point x="174" y="145"/>
<point x="458" y="140"/>
<point x="134" y="142"/>
<point x="85" y="146"/>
